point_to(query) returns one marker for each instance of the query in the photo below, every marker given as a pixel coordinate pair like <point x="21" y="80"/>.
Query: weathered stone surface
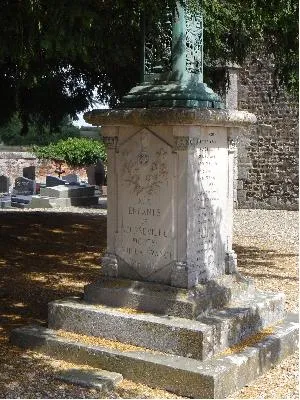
<point x="163" y="299"/>
<point x="268" y="157"/>
<point x="51" y="202"/>
<point x="100" y="379"/>
<point x="71" y="178"/>
<point x="169" y="219"/>
<point x="68" y="191"/>
<point x="199" y="339"/>
<point x="215" y="378"/>
<point x="169" y="116"/>
<point x="54" y="181"/>
<point x="24" y="186"/>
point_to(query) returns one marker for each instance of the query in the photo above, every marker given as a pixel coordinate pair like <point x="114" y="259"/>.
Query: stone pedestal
<point x="170" y="193"/>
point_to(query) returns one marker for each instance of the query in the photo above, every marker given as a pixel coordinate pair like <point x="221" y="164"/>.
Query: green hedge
<point x="76" y="152"/>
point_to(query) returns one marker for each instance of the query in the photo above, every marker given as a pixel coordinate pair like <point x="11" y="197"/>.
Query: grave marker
<point x="71" y="178"/>
<point x="29" y="172"/>
<point x="54" y="181"/>
<point x="4" y="184"/>
<point x="24" y="186"/>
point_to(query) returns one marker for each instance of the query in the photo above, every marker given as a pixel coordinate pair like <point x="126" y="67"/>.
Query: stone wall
<point x="268" y="153"/>
<point x="13" y="160"/>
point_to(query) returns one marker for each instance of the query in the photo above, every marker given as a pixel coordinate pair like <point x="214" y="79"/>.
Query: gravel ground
<point x="46" y="255"/>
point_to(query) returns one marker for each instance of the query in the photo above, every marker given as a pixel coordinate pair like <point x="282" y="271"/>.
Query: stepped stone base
<point x="217" y="377"/>
<point x="200" y="339"/>
<point x="205" y="342"/>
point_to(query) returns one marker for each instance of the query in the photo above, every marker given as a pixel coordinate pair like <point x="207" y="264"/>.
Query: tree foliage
<point x="37" y="134"/>
<point x="54" y="53"/>
<point x="76" y="152"/>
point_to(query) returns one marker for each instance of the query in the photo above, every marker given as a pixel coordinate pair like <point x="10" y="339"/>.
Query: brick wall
<point x="268" y="152"/>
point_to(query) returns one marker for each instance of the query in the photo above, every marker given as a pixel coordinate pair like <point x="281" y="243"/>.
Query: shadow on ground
<point x="44" y="257"/>
<point x="263" y="263"/>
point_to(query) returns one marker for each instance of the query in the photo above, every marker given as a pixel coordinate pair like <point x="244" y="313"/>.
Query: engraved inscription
<point x="207" y="204"/>
<point x="144" y="238"/>
<point x="185" y="142"/>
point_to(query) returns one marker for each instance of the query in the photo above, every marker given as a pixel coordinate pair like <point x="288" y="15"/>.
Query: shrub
<point x="75" y="152"/>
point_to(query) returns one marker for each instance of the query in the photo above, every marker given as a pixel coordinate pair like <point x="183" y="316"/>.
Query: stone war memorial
<point x="169" y="284"/>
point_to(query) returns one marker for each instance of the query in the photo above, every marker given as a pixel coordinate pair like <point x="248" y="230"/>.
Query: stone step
<point x="96" y="378"/>
<point x="200" y="339"/>
<point x="214" y="378"/>
<point x="163" y="299"/>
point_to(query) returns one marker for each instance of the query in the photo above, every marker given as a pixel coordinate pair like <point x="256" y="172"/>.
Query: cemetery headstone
<point x="29" y="172"/>
<point x="4" y="184"/>
<point x="90" y="172"/>
<point x="54" y="181"/>
<point x="96" y="174"/>
<point x="71" y="178"/>
<point x="24" y="186"/>
<point x="99" y="174"/>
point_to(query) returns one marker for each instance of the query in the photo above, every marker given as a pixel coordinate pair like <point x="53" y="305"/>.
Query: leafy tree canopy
<point x="37" y="134"/>
<point x="54" y="53"/>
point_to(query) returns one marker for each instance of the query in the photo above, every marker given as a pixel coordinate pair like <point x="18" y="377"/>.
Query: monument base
<point x="204" y="342"/>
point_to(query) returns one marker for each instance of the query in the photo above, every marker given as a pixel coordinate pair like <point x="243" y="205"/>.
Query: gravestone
<point x="54" y="181"/>
<point x="71" y="178"/>
<point x="29" y="172"/>
<point x="65" y="196"/>
<point x="4" y="184"/>
<point x="96" y="174"/>
<point x="24" y="186"/>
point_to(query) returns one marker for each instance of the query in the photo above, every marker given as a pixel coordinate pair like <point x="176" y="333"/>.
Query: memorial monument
<point x="169" y="282"/>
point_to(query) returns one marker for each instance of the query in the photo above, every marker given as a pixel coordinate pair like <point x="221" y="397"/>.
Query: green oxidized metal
<point x="172" y="65"/>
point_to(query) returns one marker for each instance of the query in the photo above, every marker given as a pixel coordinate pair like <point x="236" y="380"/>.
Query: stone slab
<point x="164" y="299"/>
<point x="71" y="178"/>
<point x="189" y="338"/>
<point x="5" y="204"/>
<point x="215" y="378"/>
<point x="19" y="205"/>
<point x="100" y="379"/>
<point x="68" y="191"/>
<point x="50" y="202"/>
<point x="54" y="181"/>
<point x="21" y="199"/>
